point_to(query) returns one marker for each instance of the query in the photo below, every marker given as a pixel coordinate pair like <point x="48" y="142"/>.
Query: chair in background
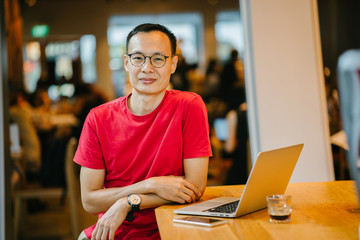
<point x="71" y="191"/>
<point x="73" y="187"/>
<point x="349" y="93"/>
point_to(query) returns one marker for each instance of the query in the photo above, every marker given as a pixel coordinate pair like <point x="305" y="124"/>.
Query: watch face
<point x="134" y="199"/>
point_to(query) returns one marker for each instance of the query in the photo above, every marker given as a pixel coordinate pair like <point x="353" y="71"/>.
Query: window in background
<point x="186" y="27"/>
<point x="88" y="58"/>
<point x="229" y="34"/>
<point x="67" y="62"/>
<point x="62" y="55"/>
<point x="60" y="58"/>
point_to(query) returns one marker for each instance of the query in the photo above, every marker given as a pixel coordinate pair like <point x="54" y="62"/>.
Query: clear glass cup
<point x="279" y="208"/>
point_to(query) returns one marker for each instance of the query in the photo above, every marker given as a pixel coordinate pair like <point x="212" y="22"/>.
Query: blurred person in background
<point x="22" y="113"/>
<point x="333" y="107"/>
<point x="87" y="96"/>
<point x="231" y="76"/>
<point x="179" y="79"/>
<point x="235" y="146"/>
<point x="212" y="79"/>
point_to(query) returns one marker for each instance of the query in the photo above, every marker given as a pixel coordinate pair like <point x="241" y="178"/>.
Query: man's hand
<point x="111" y="220"/>
<point x="175" y="189"/>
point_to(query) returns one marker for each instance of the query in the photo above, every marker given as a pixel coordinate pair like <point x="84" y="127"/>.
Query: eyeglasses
<point x="157" y="60"/>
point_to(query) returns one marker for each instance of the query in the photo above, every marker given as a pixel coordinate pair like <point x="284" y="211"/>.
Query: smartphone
<point x="200" y="221"/>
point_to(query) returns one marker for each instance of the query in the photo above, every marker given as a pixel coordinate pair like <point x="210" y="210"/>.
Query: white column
<point x="285" y="84"/>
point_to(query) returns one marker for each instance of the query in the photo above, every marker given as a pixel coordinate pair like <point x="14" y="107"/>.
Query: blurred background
<point x="66" y="57"/>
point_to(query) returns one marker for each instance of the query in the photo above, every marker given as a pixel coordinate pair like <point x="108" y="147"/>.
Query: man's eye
<point x="138" y="58"/>
<point x="158" y="59"/>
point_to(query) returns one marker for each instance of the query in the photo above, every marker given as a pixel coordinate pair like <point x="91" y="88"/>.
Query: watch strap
<point x="135" y="208"/>
<point x="130" y="216"/>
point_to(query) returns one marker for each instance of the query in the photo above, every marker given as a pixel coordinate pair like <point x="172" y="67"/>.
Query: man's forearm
<point x="147" y="201"/>
<point x="178" y="189"/>
<point x="152" y="201"/>
<point x="167" y="189"/>
<point x="100" y="200"/>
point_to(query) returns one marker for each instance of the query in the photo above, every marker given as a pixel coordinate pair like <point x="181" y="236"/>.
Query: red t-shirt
<point x="133" y="148"/>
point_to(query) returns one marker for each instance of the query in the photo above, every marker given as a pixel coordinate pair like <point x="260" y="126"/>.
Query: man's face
<point x="147" y="79"/>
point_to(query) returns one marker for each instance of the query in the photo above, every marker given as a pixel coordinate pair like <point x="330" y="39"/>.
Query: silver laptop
<point x="270" y="174"/>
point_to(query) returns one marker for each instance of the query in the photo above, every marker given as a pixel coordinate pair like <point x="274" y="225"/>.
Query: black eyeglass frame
<point x="150" y="57"/>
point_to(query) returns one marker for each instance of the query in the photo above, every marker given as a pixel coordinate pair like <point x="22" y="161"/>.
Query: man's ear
<point x="126" y="61"/>
<point x="174" y="61"/>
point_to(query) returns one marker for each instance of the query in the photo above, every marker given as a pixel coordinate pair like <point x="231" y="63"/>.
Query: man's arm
<point x="96" y="199"/>
<point x="230" y="142"/>
<point x="196" y="171"/>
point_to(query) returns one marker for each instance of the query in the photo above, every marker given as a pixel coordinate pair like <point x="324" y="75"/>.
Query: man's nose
<point x="147" y="64"/>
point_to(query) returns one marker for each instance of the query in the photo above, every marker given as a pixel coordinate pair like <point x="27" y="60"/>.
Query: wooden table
<point x="321" y="210"/>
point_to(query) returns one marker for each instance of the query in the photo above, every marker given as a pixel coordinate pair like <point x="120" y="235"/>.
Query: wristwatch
<point x="134" y="201"/>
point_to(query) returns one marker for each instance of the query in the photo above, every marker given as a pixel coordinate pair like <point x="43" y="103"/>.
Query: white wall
<point x="285" y="85"/>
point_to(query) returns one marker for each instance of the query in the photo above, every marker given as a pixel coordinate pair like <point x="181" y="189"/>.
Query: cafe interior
<point x="63" y="58"/>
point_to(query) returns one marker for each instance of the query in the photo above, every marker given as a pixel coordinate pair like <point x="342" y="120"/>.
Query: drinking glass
<point x="279" y="208"/>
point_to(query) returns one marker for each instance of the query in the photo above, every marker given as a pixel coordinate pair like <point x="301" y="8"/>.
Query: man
<point x="146" y="149"/>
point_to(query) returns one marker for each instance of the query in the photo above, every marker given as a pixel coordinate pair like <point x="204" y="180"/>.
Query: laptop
<point x="270" y="174"/>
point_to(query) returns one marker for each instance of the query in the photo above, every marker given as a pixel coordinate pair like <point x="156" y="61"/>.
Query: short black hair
<point x="149" y="27"/>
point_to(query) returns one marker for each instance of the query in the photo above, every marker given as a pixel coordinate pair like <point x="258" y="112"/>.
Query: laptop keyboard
<point x="226" y="208"/>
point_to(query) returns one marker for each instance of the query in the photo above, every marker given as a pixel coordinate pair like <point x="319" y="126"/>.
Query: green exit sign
<point x="40" y="31"/>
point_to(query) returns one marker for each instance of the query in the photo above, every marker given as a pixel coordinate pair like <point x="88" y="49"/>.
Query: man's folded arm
<point x="155" y="191"/>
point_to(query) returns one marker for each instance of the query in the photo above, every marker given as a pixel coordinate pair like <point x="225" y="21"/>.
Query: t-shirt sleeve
<point x="196" y="130"/>
<point x="89" y="153"/>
